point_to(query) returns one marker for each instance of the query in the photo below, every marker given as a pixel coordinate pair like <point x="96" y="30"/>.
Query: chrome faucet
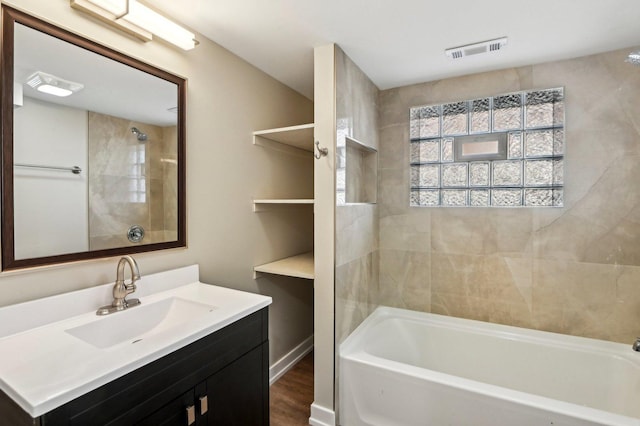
<point x="122" y="289"/>
<point x="636" y="345"/>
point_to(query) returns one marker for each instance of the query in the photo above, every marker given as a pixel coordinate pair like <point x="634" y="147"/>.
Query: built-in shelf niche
<point x="361" y="172"/>
<point x="296" y="140"/>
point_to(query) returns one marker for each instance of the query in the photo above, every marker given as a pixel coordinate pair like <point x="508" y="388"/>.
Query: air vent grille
<point x="476" y="48"/>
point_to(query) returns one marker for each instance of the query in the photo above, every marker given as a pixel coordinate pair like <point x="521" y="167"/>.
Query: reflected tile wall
<point x="125" y="176"/>
<point x="170" y="181"/>
<point x="572" y="270"/>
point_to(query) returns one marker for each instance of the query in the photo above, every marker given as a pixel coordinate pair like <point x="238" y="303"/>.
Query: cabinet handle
<point x="204" y="405"/>
<point x="191" y="415"/>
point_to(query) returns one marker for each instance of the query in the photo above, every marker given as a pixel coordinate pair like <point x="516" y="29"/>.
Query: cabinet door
<point x="175" y="413"/>
<point x="239" y="394"/>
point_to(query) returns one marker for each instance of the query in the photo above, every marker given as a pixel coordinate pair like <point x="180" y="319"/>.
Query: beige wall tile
<point x="405" y="279"/>
<point x="587" y="299"/>
<point x="394" y="149"/>
<point x="356" y="237"/>
<point x="411" y="231"/>
<point x="393" y="192"/>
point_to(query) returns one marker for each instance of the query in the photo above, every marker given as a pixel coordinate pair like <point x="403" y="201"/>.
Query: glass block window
<point x="530" y="174"/>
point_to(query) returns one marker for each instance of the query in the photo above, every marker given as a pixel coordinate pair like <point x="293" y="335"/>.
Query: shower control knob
<point x="135" y="234"/>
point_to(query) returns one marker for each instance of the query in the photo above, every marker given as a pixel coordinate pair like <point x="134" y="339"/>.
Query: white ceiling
<point x="401" y="42"/>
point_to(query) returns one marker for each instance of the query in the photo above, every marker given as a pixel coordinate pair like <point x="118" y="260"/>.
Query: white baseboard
<point x="285" y="363"/>
<point x="321" y="416"/>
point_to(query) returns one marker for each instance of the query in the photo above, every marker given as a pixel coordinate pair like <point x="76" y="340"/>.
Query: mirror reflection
<point x="95" y="152"/>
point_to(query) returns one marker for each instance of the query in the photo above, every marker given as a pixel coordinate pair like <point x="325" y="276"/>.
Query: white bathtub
<point x="408" y="368"/>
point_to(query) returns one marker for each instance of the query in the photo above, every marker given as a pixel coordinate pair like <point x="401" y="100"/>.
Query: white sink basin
<point x="140" y="322"/>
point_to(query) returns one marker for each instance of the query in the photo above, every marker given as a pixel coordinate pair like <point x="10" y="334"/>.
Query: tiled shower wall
<point x="574" y="269"/>
<point x="356" y="224"/>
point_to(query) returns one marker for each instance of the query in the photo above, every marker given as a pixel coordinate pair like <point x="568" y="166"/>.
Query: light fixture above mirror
<point x="138" y="20"/>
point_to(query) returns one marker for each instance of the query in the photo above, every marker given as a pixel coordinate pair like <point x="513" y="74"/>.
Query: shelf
<point x="258" y="205"/>
<point x="300" y="266"/>
<point x="285" y="201"/>
<point x="300" y="137"/>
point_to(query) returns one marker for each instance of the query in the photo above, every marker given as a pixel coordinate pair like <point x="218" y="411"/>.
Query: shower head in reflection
<point x="142" y="137"/>
<point x="634" y="58"/>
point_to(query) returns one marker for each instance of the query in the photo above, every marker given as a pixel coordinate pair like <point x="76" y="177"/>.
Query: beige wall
<point x="573" y="270"/>
<point x="226" y="100"/>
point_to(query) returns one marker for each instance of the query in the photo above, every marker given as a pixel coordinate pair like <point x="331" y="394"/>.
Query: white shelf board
<point x="280" y="202"/>
<point x="300" y="266"/>
<point x="284" y="201"/>
<point x="300" y="137"/>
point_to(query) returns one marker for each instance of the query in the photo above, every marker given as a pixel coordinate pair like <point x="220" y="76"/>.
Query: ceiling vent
<point x="476" y="48"/>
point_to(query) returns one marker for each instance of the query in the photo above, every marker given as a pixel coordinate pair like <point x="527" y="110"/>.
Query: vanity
<point x="189" y="354"/>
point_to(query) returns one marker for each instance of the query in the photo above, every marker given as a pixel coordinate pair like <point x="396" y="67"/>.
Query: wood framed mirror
<point x="93" y="149"/>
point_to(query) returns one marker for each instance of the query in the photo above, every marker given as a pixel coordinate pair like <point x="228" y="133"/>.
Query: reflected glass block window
<point x="480" y="116"/>
<point x="514" y="148"/>
<point x="137" y="191"/>
<point x="341" y="179"/>
<point x="426" y="175"/>
<point x="538" y="172"/>
<point x="479" y="197"/>
<point x="454" y="197"/>
<point x="558" y="172"/>
<point x="454" y="119"/>
<point x="427" y="151"/>
<point x="454" y="175"/>
<point x="528" y="172"/>
<point x="507" y="112"/>
<point x="544" y="108"/>
<point x="558" y="142"/>
<point x="447" y="150"/>
<point x="507" y="173"/>
<point x="479" y="173"/>
<point x="543" y="197"/>
<point x="414" y="124"/>
<point x="430" y="121"/>
<point x="506" y="197"/>
<point x="425" y="197"/>
<point x="341" y="175"/>
<point x="539" y="143"/>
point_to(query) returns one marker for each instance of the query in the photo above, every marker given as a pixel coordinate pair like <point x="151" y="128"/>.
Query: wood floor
<point x="292" y="395"/>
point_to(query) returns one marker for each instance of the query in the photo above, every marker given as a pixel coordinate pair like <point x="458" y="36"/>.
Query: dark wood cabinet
<point x="232" y="396"/>
<point x="221" y="379"/>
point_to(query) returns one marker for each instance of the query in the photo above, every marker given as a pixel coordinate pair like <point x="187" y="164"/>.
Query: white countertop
<point x="42" y="366"/>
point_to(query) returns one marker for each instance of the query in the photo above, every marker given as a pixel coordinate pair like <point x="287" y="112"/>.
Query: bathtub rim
<point x="351" y="351"/>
